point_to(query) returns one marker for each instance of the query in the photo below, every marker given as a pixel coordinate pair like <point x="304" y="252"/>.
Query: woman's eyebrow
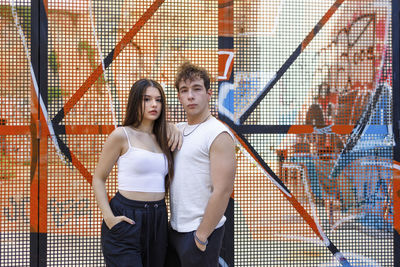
<point x="152" y="96"/>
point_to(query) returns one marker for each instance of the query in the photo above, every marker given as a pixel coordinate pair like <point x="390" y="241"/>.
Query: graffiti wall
<point x="305" y="86"/>
<point x="311" y="104"/>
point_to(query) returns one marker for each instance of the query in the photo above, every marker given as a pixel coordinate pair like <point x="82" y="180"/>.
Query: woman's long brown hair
<point x="134" y="117"/>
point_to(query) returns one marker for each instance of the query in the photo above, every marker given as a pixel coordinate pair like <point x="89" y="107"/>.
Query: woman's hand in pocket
<point x="111" y="222"/>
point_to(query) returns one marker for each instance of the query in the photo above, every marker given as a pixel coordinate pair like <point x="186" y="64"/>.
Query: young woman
<point x="134" y="229"/>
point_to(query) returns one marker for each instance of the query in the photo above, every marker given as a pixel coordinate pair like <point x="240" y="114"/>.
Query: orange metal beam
<point x="118" y="48"/>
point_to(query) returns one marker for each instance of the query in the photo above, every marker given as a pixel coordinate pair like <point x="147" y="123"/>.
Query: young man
<point x="204" y="175"/>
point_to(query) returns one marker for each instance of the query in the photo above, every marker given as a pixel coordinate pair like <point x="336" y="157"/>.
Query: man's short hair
<point x="189" y="71"/>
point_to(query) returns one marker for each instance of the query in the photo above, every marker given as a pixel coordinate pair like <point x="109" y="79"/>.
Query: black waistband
<point x="137" y="203"/>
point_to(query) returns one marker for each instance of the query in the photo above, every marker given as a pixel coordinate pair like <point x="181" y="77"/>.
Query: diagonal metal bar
<point x="286" y="192"/>
<point x="107" y="61"/>
<point x="290" y="60"/>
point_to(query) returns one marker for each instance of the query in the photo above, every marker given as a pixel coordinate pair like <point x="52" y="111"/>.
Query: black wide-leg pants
<point x="141" y="244"/>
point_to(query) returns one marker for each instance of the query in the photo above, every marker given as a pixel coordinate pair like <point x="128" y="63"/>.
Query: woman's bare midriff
<point x="142" y="196"/>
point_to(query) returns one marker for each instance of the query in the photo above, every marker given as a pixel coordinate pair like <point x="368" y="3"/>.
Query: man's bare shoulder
<point x="224" y="141"/>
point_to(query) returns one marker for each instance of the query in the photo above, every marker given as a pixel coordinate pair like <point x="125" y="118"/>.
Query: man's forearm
<point x="215" y="209"/>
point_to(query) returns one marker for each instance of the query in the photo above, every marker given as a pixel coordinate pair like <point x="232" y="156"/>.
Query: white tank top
<point x="191" y="186"/>
<point x="142" y="170"/>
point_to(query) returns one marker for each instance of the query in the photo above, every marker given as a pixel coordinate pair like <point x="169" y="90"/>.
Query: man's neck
<point x="198" y="119"/>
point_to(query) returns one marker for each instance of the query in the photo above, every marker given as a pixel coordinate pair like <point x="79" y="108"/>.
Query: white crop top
<point x="142" y="170"/>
